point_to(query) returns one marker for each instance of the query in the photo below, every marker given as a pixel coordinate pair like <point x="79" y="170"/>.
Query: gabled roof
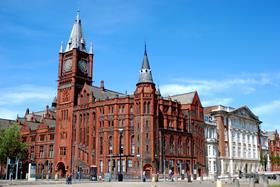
<point x="246" y="108"/>
<point x="230" y="110"/>
<point x="186" y="98"/>
<point x="32" y="125"/>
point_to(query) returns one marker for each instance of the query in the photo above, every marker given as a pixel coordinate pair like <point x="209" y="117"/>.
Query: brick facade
<point x="90" y="124"/>
<point x="274" y="150"/>
<point x="38" y="130"/>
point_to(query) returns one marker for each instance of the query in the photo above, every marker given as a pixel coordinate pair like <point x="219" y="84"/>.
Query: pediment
<point x="245" y="112"/>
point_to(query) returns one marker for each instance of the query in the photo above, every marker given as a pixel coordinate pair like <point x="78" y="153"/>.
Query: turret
<point x="145" y="72"/>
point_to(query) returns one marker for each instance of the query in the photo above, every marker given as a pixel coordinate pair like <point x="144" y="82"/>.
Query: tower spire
<point x="76" y="39"/>
<point x="145" y="72"/>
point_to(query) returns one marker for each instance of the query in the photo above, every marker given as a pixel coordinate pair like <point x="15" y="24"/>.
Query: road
<point x="124" y="184"/>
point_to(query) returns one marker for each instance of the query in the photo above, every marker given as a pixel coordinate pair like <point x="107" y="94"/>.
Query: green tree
<point x="263" y="160"/>
<point x="11" y="144"/>
<point x="277" y="159"/>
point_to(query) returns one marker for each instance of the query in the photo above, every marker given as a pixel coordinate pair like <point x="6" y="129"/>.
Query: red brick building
<point x="274" y="150"/>
<point x="94" y="124"/>
<point x="38" y="130"/>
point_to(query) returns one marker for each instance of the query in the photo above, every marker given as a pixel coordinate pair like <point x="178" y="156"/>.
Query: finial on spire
<point x="61" y="47"/>
<point x="78" y="14"/>
<point x="91" y="48"/>
<point x="145" y="52"/>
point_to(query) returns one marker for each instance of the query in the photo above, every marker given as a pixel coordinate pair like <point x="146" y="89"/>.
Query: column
<point x="230" y="147"/>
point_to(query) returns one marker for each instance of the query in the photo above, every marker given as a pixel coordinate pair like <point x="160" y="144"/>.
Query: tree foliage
<point x="11" y="144"/>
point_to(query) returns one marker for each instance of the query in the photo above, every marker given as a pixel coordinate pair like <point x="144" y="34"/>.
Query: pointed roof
<point x="186" y="98"/>
<point x="145" y="72"/>
<point x="76" y="39"/>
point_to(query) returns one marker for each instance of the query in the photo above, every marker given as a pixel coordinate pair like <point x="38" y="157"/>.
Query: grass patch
<point x="274" y="185"/>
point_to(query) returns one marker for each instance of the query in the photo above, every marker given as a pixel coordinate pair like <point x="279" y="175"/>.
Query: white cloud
<point x="26" y="93"/>
<point x="8" y="114"/>
<point x="217" y="101"/>
<point x="15" y="100"/>
<point x="245" y="85"/>
<point x="268" y="108"/>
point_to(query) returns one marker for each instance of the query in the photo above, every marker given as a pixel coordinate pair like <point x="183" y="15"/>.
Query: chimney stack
<point x="102" y="85"/>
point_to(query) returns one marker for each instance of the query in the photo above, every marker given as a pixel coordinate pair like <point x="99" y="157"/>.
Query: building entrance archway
<point x="148" y="168"/>
<point x="61" y="169"/>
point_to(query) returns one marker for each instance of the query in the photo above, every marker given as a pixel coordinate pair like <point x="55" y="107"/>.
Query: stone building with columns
<point x="238" y="139"/>
<point x="211" y="146"/>
<point x="98" y="130"/>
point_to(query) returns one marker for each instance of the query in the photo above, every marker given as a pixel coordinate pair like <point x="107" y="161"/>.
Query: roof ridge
<point x="183" y="93"/>
<point x="108" y="90"/>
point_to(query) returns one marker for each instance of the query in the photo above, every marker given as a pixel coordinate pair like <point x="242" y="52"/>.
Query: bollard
<point x="153" y="184"/>
<point x="251" y="182"/>
<point x="278" y="178"/>
<point x="261" y="179"/>
<point x="201" y="178"/>
<point x="189" y="178"/>
<point x="219" y="183"/>
<point x="265" y="181"/>
<point x="236" y="183"/>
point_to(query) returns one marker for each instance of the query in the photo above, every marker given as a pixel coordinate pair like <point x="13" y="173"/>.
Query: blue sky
<point x="228" y="50"/>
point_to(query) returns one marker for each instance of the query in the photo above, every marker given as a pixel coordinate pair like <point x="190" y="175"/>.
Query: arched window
<point x="148" y="107"/>
<point x="132" y="145"/>
<point x="180" y="145"/>
<point x="171" y="144"/>
<point x="110" y="145"/>
<point x="188" y="148"/>
<point x="145" y="107"/>
<point x="122" y="144"/>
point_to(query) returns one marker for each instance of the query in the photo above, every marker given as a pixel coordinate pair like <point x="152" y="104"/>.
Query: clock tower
<point x="75" y="70"/>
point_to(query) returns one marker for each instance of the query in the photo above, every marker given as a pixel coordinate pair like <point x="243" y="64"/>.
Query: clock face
<point x="67" y="65"/>
<point x="82" y="64"/>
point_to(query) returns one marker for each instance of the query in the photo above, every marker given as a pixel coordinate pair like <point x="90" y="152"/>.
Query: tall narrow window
<point x="132" y="145"/>
<point x="32" y="153"/>
<point x="101" y="145"/>
<point x="171" y="144"/>
<point x="110" y="145"/>
<point x="41" y="155"/>
<point x="148" y="107"/>
<point x="87" y="135"/>
<point x="180" y="145"/>
<point x="145" y="108"/>
<point x="101" y="166"/>
<point x="51" y="151"/>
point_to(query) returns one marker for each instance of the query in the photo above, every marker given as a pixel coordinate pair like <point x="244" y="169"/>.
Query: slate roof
<point x="50" y="123"/>
<point x="103" y="94"/>
<point x="145" y="72"/>
<point x="186" y="98"/>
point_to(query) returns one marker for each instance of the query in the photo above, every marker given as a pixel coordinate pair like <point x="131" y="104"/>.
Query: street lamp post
<point x="120" y="176"/>
<point x="140" y="161"/>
